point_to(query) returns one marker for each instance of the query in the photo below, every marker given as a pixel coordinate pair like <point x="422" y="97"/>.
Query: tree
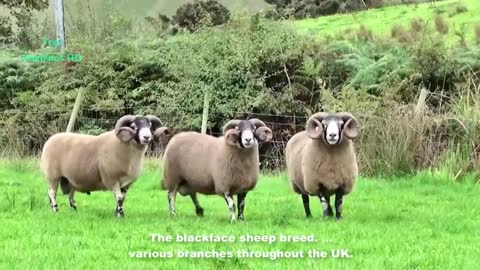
<point x="29" y="4"/>
<point x="22" y="11"/>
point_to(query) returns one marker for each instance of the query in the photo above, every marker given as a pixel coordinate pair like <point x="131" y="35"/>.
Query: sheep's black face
<point x="246" y="138"/>
<point x="142" y="129"/>
<point x="332" y="129"/>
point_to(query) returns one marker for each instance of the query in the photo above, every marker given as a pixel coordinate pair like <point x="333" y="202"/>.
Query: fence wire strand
<point x="96" y="121"/>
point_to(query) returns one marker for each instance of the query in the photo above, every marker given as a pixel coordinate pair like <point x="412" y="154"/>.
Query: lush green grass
<point x="413" y="223"/>
<point x="380" y="21"/>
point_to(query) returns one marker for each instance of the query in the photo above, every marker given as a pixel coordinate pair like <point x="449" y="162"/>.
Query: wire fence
<point x="391" y="143"/>
<point x="38" y="126"/>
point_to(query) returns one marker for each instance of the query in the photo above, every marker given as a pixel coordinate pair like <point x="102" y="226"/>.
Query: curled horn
<point x="231" y="132"/>
<point x="156" y="123"/>
<point x="314" y="125"/>
<point x="230" y="125"/>
<point x="351" y="128"/>
<point x="122" y="128"/>
<point x="262" y="132"/>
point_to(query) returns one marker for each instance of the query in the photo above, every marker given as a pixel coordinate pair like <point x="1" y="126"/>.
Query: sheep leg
<point x="306" y="205"/>
<point x="172" y="194"/>
<point x="52" y="194"/>
<point x="338" y="204"/>
<point x="71" y="199"/>
<point x="120" y="197"/>
<point x="241" y="205"/>
<point x="231" y="205"/>
<point x="327" y="209"/>
<point x="198" y="208"/>
<point x="124" y="192"/>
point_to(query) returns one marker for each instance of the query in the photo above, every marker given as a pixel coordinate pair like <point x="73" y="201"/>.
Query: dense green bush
<point x="192" y="16"/>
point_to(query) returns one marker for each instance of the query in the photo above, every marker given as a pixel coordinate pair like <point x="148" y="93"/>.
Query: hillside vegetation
<point x="460" y="17"/>
<point x="256" y="67"/>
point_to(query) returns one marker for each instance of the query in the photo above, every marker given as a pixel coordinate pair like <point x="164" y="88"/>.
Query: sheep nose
<point x="332" y="135"/>
<point x="147" y="137"/>
<point x="248" y="139"/>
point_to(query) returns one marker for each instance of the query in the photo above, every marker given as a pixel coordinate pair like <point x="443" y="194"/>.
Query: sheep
<point x="321" y="160"/>
<point x="110" y="161"/>
<point x="228" y="165"/>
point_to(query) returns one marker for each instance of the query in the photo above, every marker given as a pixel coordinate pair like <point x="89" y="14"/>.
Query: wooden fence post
<point x="206" y="101"/>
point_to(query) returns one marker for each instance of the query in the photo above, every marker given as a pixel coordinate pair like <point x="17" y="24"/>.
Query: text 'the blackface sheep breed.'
<point x="228" y="165"/>
<point x="110" y="161"/>
<point x="321" y="160"/>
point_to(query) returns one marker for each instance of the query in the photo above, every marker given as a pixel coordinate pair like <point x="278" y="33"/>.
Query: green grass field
<point x="404" y="223"/>
<point x="380" y="21"/>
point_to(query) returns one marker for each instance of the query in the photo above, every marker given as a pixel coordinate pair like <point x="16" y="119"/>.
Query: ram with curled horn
<point x="226" y="166"/>
<point x="111" y="161"/>
<point x="321" y="160"/>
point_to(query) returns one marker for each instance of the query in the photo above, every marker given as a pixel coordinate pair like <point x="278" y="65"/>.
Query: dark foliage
<point x="22" y="11"/>
<point x="300" y="9"/>
<point x="191" y="16"/>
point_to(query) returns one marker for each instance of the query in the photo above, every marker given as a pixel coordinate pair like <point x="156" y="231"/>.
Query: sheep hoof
<point x="327" y="214"/>
<point x="55" y="208"/>
<point x="199" y="212"/>
<point x="241" y="218"/>
<point x="232" y="220"/>
<point x="119" y="213"/>
<point x="74" y="207"/>
<point x="338" y="218"/>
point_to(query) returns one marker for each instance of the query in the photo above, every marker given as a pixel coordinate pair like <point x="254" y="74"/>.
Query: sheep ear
<point x="125" y="134"/>
<point x="162" y="135"/>
<point x="231" y="137"/>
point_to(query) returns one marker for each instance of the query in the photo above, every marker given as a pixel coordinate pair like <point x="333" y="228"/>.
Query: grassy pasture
<point x="420" y="222"/>
<point x="380" y="21"/>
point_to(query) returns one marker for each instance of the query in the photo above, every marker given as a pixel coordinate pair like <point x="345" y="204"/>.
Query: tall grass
<point x="447" y="142"/>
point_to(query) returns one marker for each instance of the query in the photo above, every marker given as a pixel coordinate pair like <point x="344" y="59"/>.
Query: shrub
<point x="441" y="25"/>
<point x="460" y="8"/>
<point x="327" y="7"/>
<point x="477" y="32"/>
<point x="315" y="8"/>
<point x="416" y="25"/>
<point x="6" y="32"/>
<point x="400" y="34"/>
<point x="201" y="13"/>
<point x="364" y="34"/>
